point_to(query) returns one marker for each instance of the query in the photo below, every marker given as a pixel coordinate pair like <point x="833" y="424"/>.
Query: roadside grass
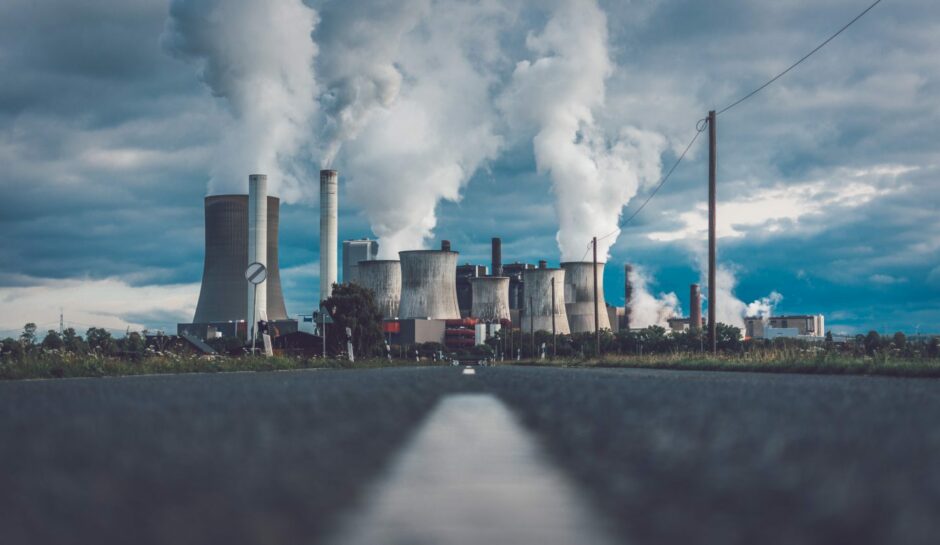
<point x="67" y="365"/>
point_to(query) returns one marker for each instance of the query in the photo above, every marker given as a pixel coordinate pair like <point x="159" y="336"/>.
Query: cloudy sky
<point x="539" y="122"/>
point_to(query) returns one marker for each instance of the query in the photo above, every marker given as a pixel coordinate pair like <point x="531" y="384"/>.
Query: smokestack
<point x="543" y="264"/>
<point x="695" y="307"/>
<point x="490" y="298"/>
<point x="627" y="296"/>
<point x="445" y="245"/>
<point x="383" y="278"/>
<point x="579" y="296"/>
<point x="257" y="245"/>
<point x="497" y="255"/>
<point x="329" y="236"/>
<point x="224" y="294"/>
<point x="537" y="300"/>
<point x="428" y="285"/>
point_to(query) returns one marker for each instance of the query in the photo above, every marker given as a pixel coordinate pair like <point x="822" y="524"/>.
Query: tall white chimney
<point x="329" y="236"/>
<point x="257" y="245"/>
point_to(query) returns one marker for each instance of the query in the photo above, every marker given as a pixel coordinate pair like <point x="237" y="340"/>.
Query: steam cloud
<point x="645" y="308"/>
<point x="731" y="310"/>
<point x="257" y="57"/>
<point x="560" y="92"/>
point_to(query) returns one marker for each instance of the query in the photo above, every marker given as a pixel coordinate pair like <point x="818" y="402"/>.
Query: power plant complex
<point x="424" y="296"/>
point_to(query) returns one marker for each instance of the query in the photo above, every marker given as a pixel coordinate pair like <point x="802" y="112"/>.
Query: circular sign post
<point x="256" y="273"/>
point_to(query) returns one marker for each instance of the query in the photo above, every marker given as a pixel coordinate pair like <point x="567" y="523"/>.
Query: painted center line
<point x="473" y="475"/>
<point x="469" y="371"/>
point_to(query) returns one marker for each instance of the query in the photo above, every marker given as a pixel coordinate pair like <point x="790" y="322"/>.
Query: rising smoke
<point x="258" y="58"/>
<point x="645" y="308"/>
<point x="560" y="93"/>
<point x="731" y="310"/>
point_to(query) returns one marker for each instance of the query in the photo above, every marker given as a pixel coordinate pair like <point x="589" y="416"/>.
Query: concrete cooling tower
<point x="223" y="296"/>
<point x="383" y="278"/>
<point x="490" y="298"/>
<point x="537" y="301"/>
<point x="579" y="296"/>
<point x="428" y="285"/>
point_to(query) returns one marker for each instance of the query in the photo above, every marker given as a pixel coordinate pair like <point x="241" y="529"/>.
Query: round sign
<point x="256" y="273"/>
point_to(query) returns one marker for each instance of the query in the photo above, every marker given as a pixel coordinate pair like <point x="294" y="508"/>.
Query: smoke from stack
<point x="645" y="308"/>
<point x="561" y="92"/>
<point x="257" y="245"/>
<point x="329" y="231"/>
<point x="237" y="47"/>
<point x="497" y="257"/>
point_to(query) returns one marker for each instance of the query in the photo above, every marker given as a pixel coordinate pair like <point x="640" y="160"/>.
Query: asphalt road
<point x="660" y="456"/>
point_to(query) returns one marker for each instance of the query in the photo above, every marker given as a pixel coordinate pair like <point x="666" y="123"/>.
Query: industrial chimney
<point x="497" y="257"/>
<point x="428" y="285"/>
<point x="257" y="246"/>
<point x="329" y="236"/>
<point x="445" y="245"/>
<point x="627" y="296"/>
<point x="223" y="296"/>
<point x="695" y="307"/>
<point x="490" y="298"/>
<point x="383" y="278"/>
<point x="537" y="300"/>
<point x="579" y="296"/>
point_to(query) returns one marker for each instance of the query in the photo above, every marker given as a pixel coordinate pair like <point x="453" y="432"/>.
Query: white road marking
<point x="469" y="371"/>
<point x="473" y="475"/>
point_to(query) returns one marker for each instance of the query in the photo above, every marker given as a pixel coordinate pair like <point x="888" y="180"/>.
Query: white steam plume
<point x="409" y="155"/>
<point x="730" y="309"/>
<point x="645" y="308"/>
<point x="360" y="43"/>
<point x="763" y="308"/>
<point x="258" y="57"/>
<point x="559" y="93"/>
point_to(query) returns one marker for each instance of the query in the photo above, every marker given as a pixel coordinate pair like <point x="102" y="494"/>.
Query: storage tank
<point x="383" y="278"/>
<point x="223" y="296"/>
<point x="428" y="285"/>
<point x="490" y="298"/>
<point x="579" y="296"/>
<point x="537" y="301"/>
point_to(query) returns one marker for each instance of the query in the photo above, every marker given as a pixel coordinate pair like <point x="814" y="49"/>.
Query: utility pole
<point x="597" y="320"/>
<point x="554" y="347"/>
<point x="712" y="238"/>
<point x="61" y="322"/>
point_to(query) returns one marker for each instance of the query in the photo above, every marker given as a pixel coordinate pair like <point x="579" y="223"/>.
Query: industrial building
<point x="808" y="326"/>
<point x="354" y="251"/>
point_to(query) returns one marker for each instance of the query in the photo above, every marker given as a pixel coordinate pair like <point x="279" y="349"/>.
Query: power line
<point x="797" y="63"/>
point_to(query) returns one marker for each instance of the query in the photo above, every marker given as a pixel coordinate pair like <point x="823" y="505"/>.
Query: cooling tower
<point x="490" y="298"/>
<point x="428" y="285"/>
<point x="579" y="296"/>
<point x="537" y="301"/>
<point x="329" y="236"/>
<point x="695" y="307"/>
<point x="257" y="244"/>
<point x="383" y="278"/>
<point x="223" y="296"/>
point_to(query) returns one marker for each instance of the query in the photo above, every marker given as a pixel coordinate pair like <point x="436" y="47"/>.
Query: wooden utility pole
<point x="554" y="347"/>
<point x="712" y="238"/>
<point x="597" y="319"/>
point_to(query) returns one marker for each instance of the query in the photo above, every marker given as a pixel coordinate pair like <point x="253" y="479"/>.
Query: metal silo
<point x="537" y="300"/>
<point x="428" y="284"/>
<point x="579" y="296"/>
<point x="490" y="298"/>
<point x="383" y="278"/>
<point x="223" y="296"/>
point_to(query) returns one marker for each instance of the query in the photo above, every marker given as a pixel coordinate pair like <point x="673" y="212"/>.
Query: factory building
<point x="354" y="251"/>
<point x="809" y="326"/>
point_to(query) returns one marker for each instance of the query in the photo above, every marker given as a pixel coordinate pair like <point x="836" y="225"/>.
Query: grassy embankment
<point x="56" y="365"/>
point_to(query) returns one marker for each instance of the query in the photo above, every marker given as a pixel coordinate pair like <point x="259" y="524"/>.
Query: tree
<point x="73" y="342"/>
<point x="933" y="347"/>
<point x="872" y="342"/>
<point x="900" y="341"/>
<point x="354" y="307"/>
<point x="53" y="341"/>
<point x="729" y="337"/>
<point x="28" y="337"/>
<point x="99" y="339"/>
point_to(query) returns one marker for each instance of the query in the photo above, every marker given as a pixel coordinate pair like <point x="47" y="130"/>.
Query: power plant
<point x="490" y="298"/>
<point x="383" y="278"/>
<point x="540" y="309"/>
<point x="429" y="284"/>
<point x="579" y="296"/>
<point x="329" y="230"/>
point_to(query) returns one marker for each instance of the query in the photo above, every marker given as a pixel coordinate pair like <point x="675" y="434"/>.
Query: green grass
<point x="59" y="365"/>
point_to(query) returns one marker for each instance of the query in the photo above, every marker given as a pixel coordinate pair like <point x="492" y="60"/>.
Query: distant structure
<point x="537" y="308"/>
<point x="810" y="326"/>
<point x="465" y="274"/>
<point x="354" y="251"/>
<point x="428" y="284"/>
<point x="257" y="247"/>
<point x="329" y="237"/>
<point x="383" y="278"/>
<point x="627" y="297"/>
<point x="695" y="307"/>
<point x="515" y="272"/>
<point x="490" y="298"/>
<point x="579" y="296"/>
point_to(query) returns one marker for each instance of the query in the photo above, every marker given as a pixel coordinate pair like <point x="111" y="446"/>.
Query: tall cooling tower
<point x="579" y="296"/>
<point x="695" y="307"/>
<point x="329" y="236"/>
<point x="537" y="301"/>
<point x="383" y="278"/>
<point x="428" y="284"/>
<point x="223" y="296"/>
<point x="490" y="298"/>
<point x="257" y="244"/>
